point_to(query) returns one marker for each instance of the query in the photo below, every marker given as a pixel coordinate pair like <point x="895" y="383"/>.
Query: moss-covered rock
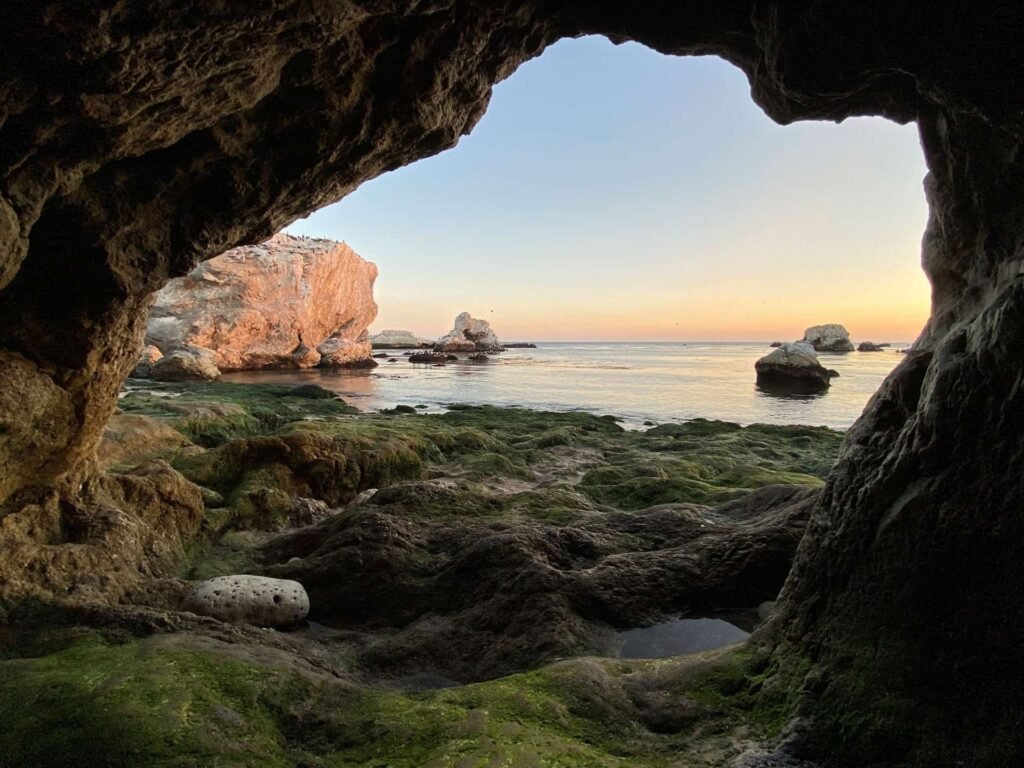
<point x="189" y="701"/>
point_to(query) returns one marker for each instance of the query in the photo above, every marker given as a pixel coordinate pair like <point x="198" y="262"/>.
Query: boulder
<point x="831" y="337"/>
<point x="340" y="352"/>
<point x="257" y="600"/>
<point x="469" y="335"/>
<point x="149" y="357"/>
<point x="269" y="305"/>
<point x="130" y="438"/>
<point x="188" y="364"/>
<point x="775" y="344"/>
<point x="792" y="368"/>
<point x="428" y="357"/>
<point x="396" y="339"/>
<point x="870" y="346"/>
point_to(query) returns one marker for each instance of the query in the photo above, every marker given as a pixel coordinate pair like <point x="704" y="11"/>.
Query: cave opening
<point x="896" y="638"/>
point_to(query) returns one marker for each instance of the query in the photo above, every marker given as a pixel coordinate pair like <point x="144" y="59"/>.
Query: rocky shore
<point x="436" y="550"/>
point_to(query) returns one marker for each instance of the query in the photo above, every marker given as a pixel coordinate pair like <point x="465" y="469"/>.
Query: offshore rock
<point x="869" y="346"/>
<point x="257" y="600"/>
<point x="831" y="337"/>
<point x="428" y="357"/>
<point x="188" y="364"/>
<point x="792" y="368"/>
<point x="469" y="335"/>
<point x="396" y="339"/>
<point x="272" y="305"/>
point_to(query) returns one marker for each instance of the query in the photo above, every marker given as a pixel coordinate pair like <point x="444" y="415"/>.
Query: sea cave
<point x="138" y="139"/>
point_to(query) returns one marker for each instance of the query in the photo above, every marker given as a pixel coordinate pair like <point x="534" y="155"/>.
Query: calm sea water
<point x="636" y="381"/>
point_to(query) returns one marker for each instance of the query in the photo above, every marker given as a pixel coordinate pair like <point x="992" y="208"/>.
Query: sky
<point x="614" y="193"/>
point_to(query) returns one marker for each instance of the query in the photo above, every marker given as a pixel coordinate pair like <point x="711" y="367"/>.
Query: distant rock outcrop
<point x="469" y="335"/>
<point x="287" y="303"/>
<point x="831" y="337"/>
<point x="869" y="346"/>
<point x="775" y="344"/>
<point x="393" y="339"/>
<point x="792" y="368"/>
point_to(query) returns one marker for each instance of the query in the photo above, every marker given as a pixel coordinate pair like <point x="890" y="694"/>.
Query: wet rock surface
<point x="477" y="595"/>
<point x="524" y="538"/>
<point x="792" y="368"/>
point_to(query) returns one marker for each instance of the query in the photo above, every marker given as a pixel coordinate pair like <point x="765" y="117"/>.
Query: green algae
<point x="269" y="442"/>
<point x="154" y="703"/>
<point x="261" y="446"/>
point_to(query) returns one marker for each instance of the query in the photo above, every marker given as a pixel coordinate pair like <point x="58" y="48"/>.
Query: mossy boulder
<point x="260" y="476"/>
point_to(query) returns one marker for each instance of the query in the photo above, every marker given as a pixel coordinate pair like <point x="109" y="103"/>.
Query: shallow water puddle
<point x="678" y="637"/>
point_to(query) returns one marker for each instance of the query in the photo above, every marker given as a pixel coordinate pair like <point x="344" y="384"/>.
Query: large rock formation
<point x="792" y="368"/>
<point x="285" y="303"/>
<point x="469" y="334"/>
<point x="139" y="138"/>
<point x="830" y="337"/>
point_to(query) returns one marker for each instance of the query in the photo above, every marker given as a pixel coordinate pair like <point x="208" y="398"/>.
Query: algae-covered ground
<point x="467" y="571"/>
<point x="191" y="701"/>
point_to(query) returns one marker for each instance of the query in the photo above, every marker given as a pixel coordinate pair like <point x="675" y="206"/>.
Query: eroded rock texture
<point x="136" y="139"/>
<point x="269" y="305"/>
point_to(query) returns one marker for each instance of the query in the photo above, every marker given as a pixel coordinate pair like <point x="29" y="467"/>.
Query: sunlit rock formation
<point x="285" y="303"/>
<point x="792" y="368"/>
<point x="469" y="334"/>
<point x="830" y="337"/>
<point x="138" y="139"/>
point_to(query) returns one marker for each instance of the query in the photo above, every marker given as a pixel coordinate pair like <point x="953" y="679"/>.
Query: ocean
<point x="655" y="381"/>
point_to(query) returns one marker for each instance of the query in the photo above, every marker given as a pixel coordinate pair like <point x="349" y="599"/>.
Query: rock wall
<point x="139" y="138"/>
<point x="269" y="305"/>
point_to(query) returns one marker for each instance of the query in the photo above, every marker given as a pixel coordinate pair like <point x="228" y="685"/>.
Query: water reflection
<point x="678" y="637"/>
<point x="639" y="382"/>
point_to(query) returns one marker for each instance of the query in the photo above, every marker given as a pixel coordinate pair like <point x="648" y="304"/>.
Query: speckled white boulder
<point x="257" y="600"/>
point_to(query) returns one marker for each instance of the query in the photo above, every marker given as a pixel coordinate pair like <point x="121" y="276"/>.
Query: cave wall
<point x="138" y="138"/>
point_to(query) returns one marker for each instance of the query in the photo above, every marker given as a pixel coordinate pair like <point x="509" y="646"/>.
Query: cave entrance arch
<point x="643" y="196"/>
<point x="135" y="142"/>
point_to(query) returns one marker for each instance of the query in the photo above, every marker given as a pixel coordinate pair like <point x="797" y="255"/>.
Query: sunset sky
<point x="612" y="193"/>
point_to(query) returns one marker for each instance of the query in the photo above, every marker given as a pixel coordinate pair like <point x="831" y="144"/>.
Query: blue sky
<point x="611" y="192"/>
